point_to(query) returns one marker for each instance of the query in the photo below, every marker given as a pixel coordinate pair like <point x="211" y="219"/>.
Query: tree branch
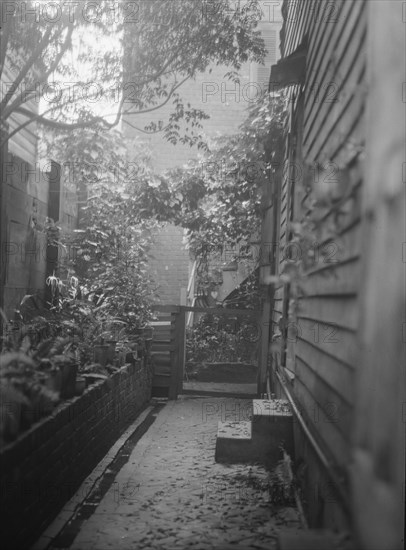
<point x="18" y="101"/>
<point x="151" y="109"/>
<point x="144" y="131"/>
<point x="41" y="118"/>
<point x="28" y="65"/>
<point x="4" y="38"/>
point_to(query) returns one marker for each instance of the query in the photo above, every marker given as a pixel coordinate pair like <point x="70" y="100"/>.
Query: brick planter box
<point x="44" y="467"/>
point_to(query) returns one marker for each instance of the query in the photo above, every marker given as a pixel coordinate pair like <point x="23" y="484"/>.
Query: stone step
<point x="259" y="440"/>
<point x="233" y="443"/>
<point x="272" y="410"/>
<point x="272" y="426"/>
<point x="312" y="539"/>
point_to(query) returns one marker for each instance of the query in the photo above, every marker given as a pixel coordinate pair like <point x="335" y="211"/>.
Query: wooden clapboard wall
<point x="23" y="143"/>
<point x="31" y="195"/>
<point x="378" y="466"/>
<point x="25" y="196"/>
<point x="325" y="138"/>
<point x="26" y="208"/>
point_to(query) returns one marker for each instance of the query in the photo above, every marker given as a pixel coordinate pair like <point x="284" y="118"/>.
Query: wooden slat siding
<point x="283" y="212"/>
<point x="24" y="143"/>
<point x="331" y="371"/>
<point x="337" y="129"/>
<point x="322" y="117"/>
<point x="334" y="280"/>
<point x="337" y="342"/>
<point x="332" y="42"/>
<point x="324" y="369"/>
<point x="330" y="403"/>
<point x="339" y="147"/>
<point x="294" y="25"/>
<point x="378" y="460"/>
<point x="331" y="274"/>
<point x="318" y="416"/>
<point x="342" y="311"/>
<point x="323" y="38"/>
<point x="321" y="28"/>
<point x="335" y="92"/>
<point x="349" y="227"/>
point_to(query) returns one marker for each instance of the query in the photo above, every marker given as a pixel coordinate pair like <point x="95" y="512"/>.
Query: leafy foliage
<point x="215" y="339"/>
<point x="130" y="59"/>
<point x="218" y="197"/>
<point x="109" y="253"/>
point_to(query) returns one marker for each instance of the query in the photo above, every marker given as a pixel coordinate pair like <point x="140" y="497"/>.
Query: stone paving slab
<point x="243" y="389"/>
<point x="171" y="494"/>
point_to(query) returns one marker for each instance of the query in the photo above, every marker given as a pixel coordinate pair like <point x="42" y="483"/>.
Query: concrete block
<point x="233" y="444"/>
<point x="272" y="427"/>
<point x="308" y="540"/>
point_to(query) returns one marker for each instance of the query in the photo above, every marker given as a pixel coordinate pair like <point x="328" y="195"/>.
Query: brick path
<point x="172" y="495"/>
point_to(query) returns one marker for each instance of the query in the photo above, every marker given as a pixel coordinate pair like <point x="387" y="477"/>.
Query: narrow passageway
<point x="170" y="493"/>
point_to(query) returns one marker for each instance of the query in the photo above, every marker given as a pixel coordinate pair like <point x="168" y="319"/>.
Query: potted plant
<point x="68" y="379"/>
<point x="101" y="352"/>
<point x="80" y="385"/>
<point x="23" y="391"/>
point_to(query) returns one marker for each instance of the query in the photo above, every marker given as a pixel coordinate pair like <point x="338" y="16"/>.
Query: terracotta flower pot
<point x="101" y="352"/>
<point x="111" y="352"/>
<point x="54" y="381"/>
<point x="80" y="385"/>
<point x="68" y="385"/>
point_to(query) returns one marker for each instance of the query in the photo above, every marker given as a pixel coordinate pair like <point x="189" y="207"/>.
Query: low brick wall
<point x="44" y="467"/>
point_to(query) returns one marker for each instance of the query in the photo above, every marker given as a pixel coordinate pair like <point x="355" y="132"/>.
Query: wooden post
<point x="54" y="199"/>
<point x="263" y="344"/>
<point x="174" y="354"/>
<point x="377" y="473"/>
<point x="182" y="349"/>
<point x="3" y="217"/>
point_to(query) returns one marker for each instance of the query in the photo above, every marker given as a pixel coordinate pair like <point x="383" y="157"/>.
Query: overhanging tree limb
<point x="27" y="66"/>
<point x="41" y="118"/>
<point x="4" y="39"/>
<point x="20" y="100"/>
<point x="169" y="42"/>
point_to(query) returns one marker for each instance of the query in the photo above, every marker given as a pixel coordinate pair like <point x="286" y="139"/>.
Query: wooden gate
<point x="169" y="342"/>
<point x="168" y="351"/>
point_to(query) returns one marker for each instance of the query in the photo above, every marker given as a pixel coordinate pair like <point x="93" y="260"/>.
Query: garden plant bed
<point x="43" y="467"/>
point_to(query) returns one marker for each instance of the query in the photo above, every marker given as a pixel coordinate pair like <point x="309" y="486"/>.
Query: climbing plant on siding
<point x="218" y="198"/>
